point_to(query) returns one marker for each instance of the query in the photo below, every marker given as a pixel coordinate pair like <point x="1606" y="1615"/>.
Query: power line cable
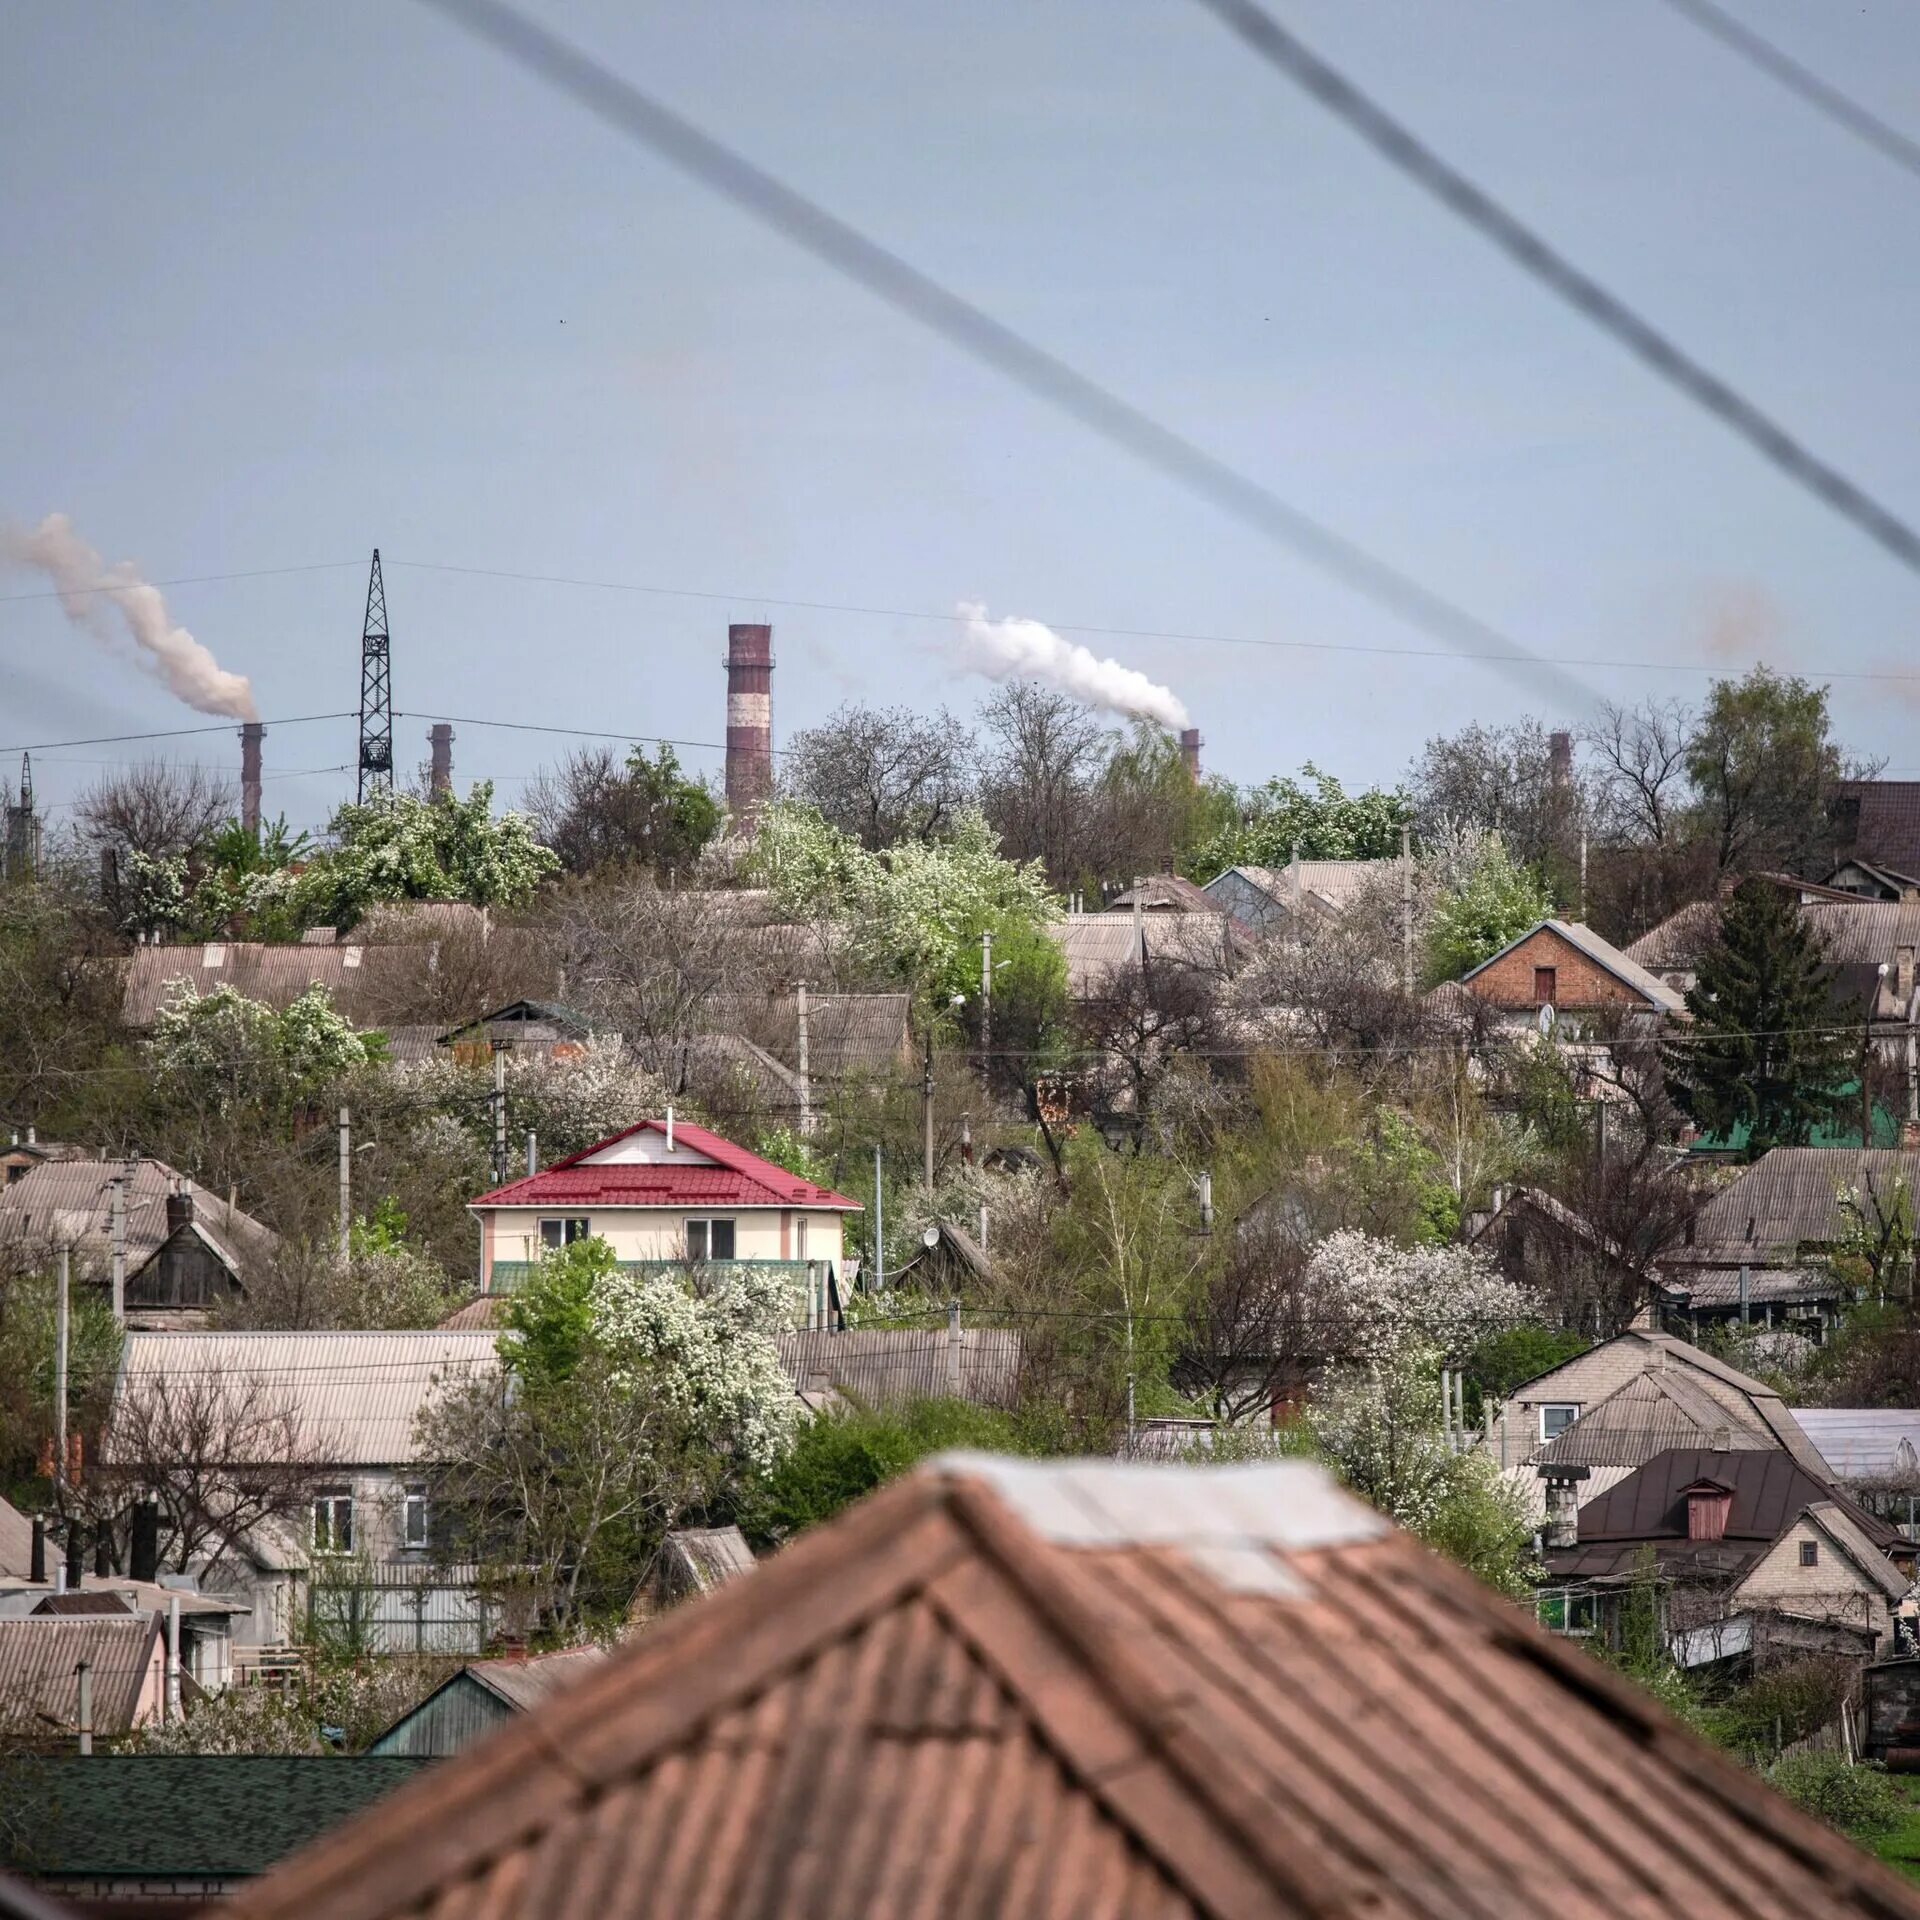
<point x="1824" y="97"/>
<point x="1405" y="151"/>
<point x="168" y="733"/>
<point x="629" y="111"/>
<point x="180" y="580"/>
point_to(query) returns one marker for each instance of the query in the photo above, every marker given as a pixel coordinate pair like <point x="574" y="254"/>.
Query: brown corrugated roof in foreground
<point x="1015" y="1689"/>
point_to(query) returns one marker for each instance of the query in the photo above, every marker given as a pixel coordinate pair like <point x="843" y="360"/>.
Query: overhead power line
<point x="179" y="580"/>
<point x="1821" y="95"/>
<point x="167" y="733"/>
<point x="1414" y="158"/>
<point x="624" y="107"/>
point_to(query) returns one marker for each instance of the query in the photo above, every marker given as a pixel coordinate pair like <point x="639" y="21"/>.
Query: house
<point x="895" y="1366"/>
<point x="1165" y="893"/>
<point x="340" y="1409"/>
<point x="22" y="1156"/>
<point x="478" y="1698"/>
<point x="1752" y="1551"/>
<point x="187" y="1250"/>
<point x="1012" y="1688"/>
<point x="1296" y="898"/>
<point x="206" y="1621"/>
<point x="1878" y="821"/>
<point x="162" y="1832"/>
<point x="1568" y="967"/>
<point x="1538" y="1412"/>
<point x="1757" y="1251"/>
<point x="695" y="1561"/>
<point x="1099" y="946"/>
<point x="1869" y="882"/>
<point x="950" y="1263"/>
<point x="661" y="1194"/>
<point x="40" y="1660"/>
<point x="538" y="1027"/>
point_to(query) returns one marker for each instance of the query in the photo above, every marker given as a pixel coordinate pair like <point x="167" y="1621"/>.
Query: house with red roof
<point x="667" y="1192"/>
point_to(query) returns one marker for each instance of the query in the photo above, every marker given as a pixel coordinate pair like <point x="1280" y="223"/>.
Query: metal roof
<point x="1166" y="893"/>
<point x="353" y="1397"/>
<point x="525" y="1683"/>
<point x="1099" y="945"/>
<point x="16" y="1542"/>
<point x="703" y="1558"/>
<point x="1790" y="1198"/>
<point x="1888" y="830"/>
<point x="1332" y="883"/>
<point x="1717" y="1287"/>
<point x="1653" y="1412"/>
<point x="39" y="1652"/>
<point x="1874" y="1445"/>
<point x="889" y="1366"/>
<point x="1015" y="1689"/>
<point x="1769" y="1489"/>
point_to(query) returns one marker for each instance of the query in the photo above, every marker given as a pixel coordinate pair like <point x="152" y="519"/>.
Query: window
<point x="1555" y="1420"/>
<point x="1809" y="1553"/>
<point x="709" y="1239"/>
<point x="1546" y="984"/>
<point x="414" y="1518"/>
<point x="333" y="1521"/>
<point x="1565" y="1610"/>
<point x="562" y="1233"/>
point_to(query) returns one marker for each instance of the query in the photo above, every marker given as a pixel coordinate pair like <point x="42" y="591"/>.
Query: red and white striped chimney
<point x="749" y="720"/>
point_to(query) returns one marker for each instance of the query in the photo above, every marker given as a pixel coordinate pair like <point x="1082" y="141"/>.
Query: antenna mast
<point x="376" y="693"/>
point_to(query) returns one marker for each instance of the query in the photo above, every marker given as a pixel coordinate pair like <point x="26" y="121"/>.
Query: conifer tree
<point x="1767" y="1048"/>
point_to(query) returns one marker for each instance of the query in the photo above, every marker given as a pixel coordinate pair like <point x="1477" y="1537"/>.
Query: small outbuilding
<point x="478" y="1698"/>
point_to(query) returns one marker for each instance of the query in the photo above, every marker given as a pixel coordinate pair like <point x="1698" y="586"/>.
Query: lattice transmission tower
<point x="376" y="693"/>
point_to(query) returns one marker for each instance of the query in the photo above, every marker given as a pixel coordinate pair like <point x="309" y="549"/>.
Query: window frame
<point x="1809" y="1553"/>
<point x="1551" y="977"/>
<point x="326" y="1509"/>
<point x="414" y="1504"/>
<point x="706" y="1225"/>
<point x="1571" y="1408"/>
<point x="567" y="1228"/>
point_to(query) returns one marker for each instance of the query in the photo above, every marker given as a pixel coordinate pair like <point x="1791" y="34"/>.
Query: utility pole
<point x="1206" y="1203"/>
<point x="1406" y="911"/>
<point x="806" y="1078"/>
<point x="346" y="1184"/>
<point x="926" y="1108"/>
<point x="118" y="1190"/>
<point x="533" y="1153"/>
<point x="879" y="1228"/>
<point x="60" y="1337"/>
<point x="986" y="1000"/>
<point x="500" y="1118"/>
<point x="1583" y="876"/>
<point x="376" y="692"/>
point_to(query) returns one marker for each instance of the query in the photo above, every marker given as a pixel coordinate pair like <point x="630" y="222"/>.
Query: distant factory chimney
<point x="251" y="736"/>
<point x="749" y="720"/>
<point x="1560" y="761"/>
<point x="1190" y="752"/>
<point x="440" y="767"/>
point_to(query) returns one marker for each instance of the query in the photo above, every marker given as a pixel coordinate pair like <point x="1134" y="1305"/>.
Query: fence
<point x="391" y="1608"/>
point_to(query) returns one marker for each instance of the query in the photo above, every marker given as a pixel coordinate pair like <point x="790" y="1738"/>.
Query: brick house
<point x="1568" y="967"/>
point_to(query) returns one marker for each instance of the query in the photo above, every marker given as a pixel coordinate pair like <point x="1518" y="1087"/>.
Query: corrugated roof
<point x="849" y="1035"/>
<point x="525" y="1683"/>
<point x="1651" y="1414"/>
<point x="1166" y="893"/>
<point x="16" y="1542"/>
<point x="1872" y="1445"/>
<point x="889" y="1366"/>
<point x="697" y="1560"/>
<point x="1888" y="829"/>
<point x="1015" y="1689"/>
<point x="1098" y="945"/>
<point x="1790" y="1197"/>
<point x="736" y="1178"/>
<point x="1334" y="884"/>
<point x="71" y="1202"/>
<point x="353" y="1397"/>
<point x="162" y="1816"/>
<point x="1717" y="1287"/>
<point x="39" y="1653"/>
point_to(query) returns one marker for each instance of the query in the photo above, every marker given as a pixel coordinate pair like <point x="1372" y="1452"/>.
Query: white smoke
<point x="87" y="586"/>
<point x="1014" y="649"/>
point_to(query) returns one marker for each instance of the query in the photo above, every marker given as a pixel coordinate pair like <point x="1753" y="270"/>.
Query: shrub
<point x="1858" y="1799"/>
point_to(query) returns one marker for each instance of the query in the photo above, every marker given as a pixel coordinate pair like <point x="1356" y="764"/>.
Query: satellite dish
<point x="930" y="1238"/>
<point x="1546" y="1021"/>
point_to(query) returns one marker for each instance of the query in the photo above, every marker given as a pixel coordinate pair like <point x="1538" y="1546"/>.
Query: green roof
<point x="177" y="1815"/>
<point x="1842" y="1130"/>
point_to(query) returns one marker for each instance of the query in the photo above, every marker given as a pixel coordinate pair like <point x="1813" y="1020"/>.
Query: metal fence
<point x="398" y="1609"/>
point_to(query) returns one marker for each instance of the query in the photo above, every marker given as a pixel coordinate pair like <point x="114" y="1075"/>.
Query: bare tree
<point x="1503" y="778"/>
<point x="1258" y="1328"/>
<point x="218" y="1453"/>
<point x="156" y="808"/>
<point x="1046" y="761"/>
<point x="883" y="774"/>
<point x="1642" y="794"/>
<point x="1141" y="1018"/>
<point x="599" y="808"/>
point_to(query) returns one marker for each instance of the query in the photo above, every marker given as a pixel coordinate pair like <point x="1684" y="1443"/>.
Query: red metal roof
<point x="737" y="1179"/>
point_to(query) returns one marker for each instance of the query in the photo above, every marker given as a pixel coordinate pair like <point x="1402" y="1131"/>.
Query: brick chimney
<point x="1190" y="744"/>
<point x="179" y="1209"/>
<point x="251" y="735"/>
<point x="440" y="757"/>
<point x="1563" y="1504"/>
<point x="749" y="720"/>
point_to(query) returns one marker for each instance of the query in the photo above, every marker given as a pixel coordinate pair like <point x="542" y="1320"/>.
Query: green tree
<point x="1763" y="765"/>
<point x="1322" y="819"/>
<point x="1493" y="902"/>
<point x="594" y="811"/>
<point x="1765" y="1049"/>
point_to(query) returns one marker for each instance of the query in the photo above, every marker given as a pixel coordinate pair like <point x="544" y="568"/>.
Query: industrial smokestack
<point x="1560" y="761"/>
<point x="749" y="720"/>
<point x="251" y="736"/>
<point x="440" y="767"/>
<point x="1190" y="752"/>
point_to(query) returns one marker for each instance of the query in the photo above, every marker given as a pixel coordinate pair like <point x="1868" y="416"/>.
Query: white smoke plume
<point x="1016" y="649"/>
<point x="88" y="586"/>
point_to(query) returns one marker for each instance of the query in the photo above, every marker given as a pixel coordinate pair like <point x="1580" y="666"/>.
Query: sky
<point x="282" y="284"/>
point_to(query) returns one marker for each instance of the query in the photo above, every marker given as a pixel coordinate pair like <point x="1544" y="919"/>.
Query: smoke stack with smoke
<point x="87" y="586"/>
<point x="1015" y="649"/>
<point x="251" y="736"/>
<point x="1190" y="744"/>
